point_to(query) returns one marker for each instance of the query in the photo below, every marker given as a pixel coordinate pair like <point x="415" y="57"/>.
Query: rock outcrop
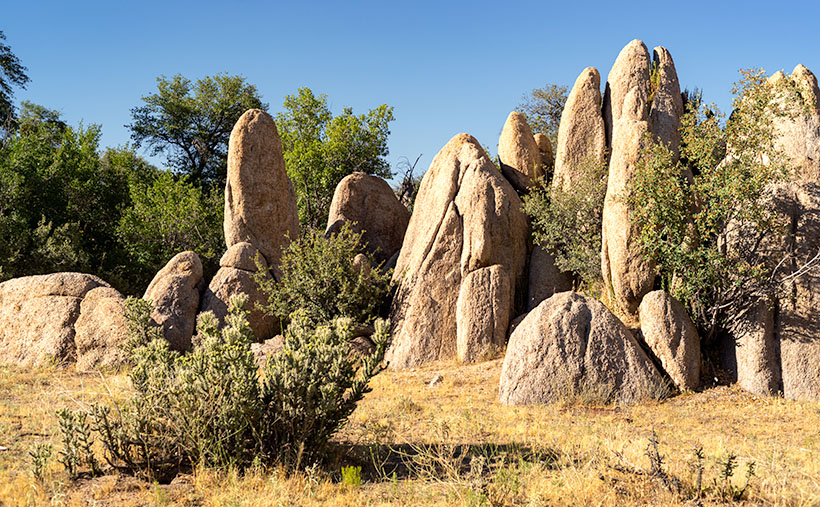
<point x="101" y="329"/>
<point x="370" y="205"/>
<point x="483" y="313"/>
<point x="799" y="137"/>
<point x="38" y="315"/>
<point x="518" y="153"/>
<point x="546" y="151"/>
<point x="175" y="292"/>
<point x="667" y="103"/>
<point x="236" y="276"/>
<point x="756" y="352"/>
<point x="545" y="279"/>
<point x="260" y="205"/>
<point x="581" y="134"/>
<point x="467" y="217"/>
<point x="571" y="345"/>
<point x="672" y="337"/>
<point x="627" y="274"/>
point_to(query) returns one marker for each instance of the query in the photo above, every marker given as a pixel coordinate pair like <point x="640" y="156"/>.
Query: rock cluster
<point x="519" y="154"/>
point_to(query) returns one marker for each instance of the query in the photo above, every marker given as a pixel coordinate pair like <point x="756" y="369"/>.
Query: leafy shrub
<point x="567" y="223"/>
<point x="320" y="280"/>
<point x="212" y="407"/>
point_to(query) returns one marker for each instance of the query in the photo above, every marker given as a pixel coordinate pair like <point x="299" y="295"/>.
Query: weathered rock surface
<point x="627" y="274"/>
<point x="756" y="352"/>
<point x="101" y="329"/>
<point x="483" y="313"/>
<point x="369" y="204"/>
<point x="667" y="104"/>
<point x="260" y="205"/>
<point x="235" y="276"/>
<point x="467" y="216"/>
<point x="546" y="151"/>
<point x="175" y="292"/>
<point x="38" y="314"/>
<point x="545" y="279"/>
<point x="518" y="153"/>
<point x="571" y="345"/>
<point x="672" y="337"/>
<point x="581" y="134"/>
<point x="799" y="137"/>
<point x="263" y="351"/>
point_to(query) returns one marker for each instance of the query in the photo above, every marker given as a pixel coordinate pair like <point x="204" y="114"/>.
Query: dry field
<point x="455" y="445"/>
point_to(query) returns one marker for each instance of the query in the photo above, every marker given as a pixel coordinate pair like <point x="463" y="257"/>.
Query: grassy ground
<point x="454" y="444"/>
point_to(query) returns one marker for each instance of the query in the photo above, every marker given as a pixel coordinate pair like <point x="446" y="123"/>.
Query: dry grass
<point x="453" y="444"/>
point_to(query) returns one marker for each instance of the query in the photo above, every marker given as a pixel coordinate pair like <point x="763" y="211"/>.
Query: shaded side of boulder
<point x="260" y="204"/>
<point x="37" y="317"/>
<point x="518" y="153"/>
<point x="581" y="133"/>
<point x="667" y="103"/>
<point x="572" y="345"/>
<point x="483" y="313"/>
<point x="370" y="205"/>
<point x="547" y="153"/>
<point x="101" y="329"/>
<point x="545" y="279"/>
<point x="466" y="217"/>
<point x="672" y="337"/>
<point x="175" y="292"/>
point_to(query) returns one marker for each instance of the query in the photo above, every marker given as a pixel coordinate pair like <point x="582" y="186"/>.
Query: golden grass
<point x="430" y="425"/>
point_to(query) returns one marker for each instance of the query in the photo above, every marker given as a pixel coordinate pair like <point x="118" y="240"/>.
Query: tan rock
<point x="756" y="356"/>
<point x="545" y="149"/>
<point x="799" y="137"/>
<point x="37" y="317"/>
<point x="672" y="337"/>
<point x="241" y="256"/>
<point x="483" y="313"/>
<point x="260" y="205"/>
<point x="369" y="204"/>
<point x="581" y="134"/>
<point x="629" y="76"/>
<point x="231" y="282"/>
<point x="518" y="154"/>
<point x="571" y="345"/>
<point x="175" y="292"/>
<point x="667" y="104"/>
<point x="467" y="216"/>
<point x="545" y="279"/>
<point x="101" y="330"/>
<point x="265" y="350"/>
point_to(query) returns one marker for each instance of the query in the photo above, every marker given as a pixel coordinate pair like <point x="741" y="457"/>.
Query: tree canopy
<point x="12" y="73"/>
<point x="543" y="107"/>
<point x="190" y="122"/>
<point x="321" y="149"/>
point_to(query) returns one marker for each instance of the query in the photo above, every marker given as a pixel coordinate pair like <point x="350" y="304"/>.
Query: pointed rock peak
<point x="518" y="152"/>
<point x="775" y="78"/>
<point x="807" y="83"/>
<point x="628" y="87"/>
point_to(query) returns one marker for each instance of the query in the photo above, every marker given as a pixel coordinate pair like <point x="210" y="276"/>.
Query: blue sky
<point x="446" y="67"/>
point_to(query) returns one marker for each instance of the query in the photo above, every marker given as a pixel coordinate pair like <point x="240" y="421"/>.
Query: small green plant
<point x="40" y="456"/>
<point x="77" y="442"/>
<point x="352" y="476"/>
<point x="320" y="280"/>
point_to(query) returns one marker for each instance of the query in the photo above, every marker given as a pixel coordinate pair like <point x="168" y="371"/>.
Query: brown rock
<point x="545" y="278"/>
<point x="467" y="216"/>
<point x="571" y="345"/>
<point x="672" y="337"/>
<point x="581" y="134"/>
<point x="629" y="76"/>
<point x="483" y="313"/>
<point x="260" y="205"/>
<point x="265" y="350"/>
<point x="756" y="352"/>
<point x="545" y="149"/>
<point x="37" y="317"/>
<point x="667" y="103"/>
<point x="241" y="256"/>
<point x="799" y="137"/>
<point x="175" y="292"/>
<point x="230" y="282"/>
<point x="518" y="154"/>
<point x="369" y="204"/>
<point x="101" y="329"/>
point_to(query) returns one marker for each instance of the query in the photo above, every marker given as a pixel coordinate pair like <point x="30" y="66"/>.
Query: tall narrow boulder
<point x="799" y="137"/>
<point x="483" y="313"/>
<point x="371" y="207"/>
<point x="569" y="346"/>
<point x="518" y="153"/>
<point x="467" y="217"/>
<point x="545" y="279"/>
<point x="628" y="275"/>
<point x="260" y="205"/>
<point x="581" y="134"/>
<point x="667" y="103"/>
<point x="175" y="292"/>
<point x="546" y="151"/>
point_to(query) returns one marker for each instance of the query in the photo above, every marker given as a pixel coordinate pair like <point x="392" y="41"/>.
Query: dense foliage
<point x="190" y="122"/>
<point x="567" y="223"/>
<point x="321" y="149"/>
<point x="687" y="220"/>
<point x="321" y="281"/>
<point x="12" y="73"/>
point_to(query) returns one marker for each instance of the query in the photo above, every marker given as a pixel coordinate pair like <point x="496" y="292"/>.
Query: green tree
<point x="12" y="73"/>
<point x="321" y="149"/>
<point x="543" y="107"/>
<point x="190" y="123"/>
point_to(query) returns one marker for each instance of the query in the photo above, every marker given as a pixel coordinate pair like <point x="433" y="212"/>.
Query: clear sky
<point x="446" y="67"/>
